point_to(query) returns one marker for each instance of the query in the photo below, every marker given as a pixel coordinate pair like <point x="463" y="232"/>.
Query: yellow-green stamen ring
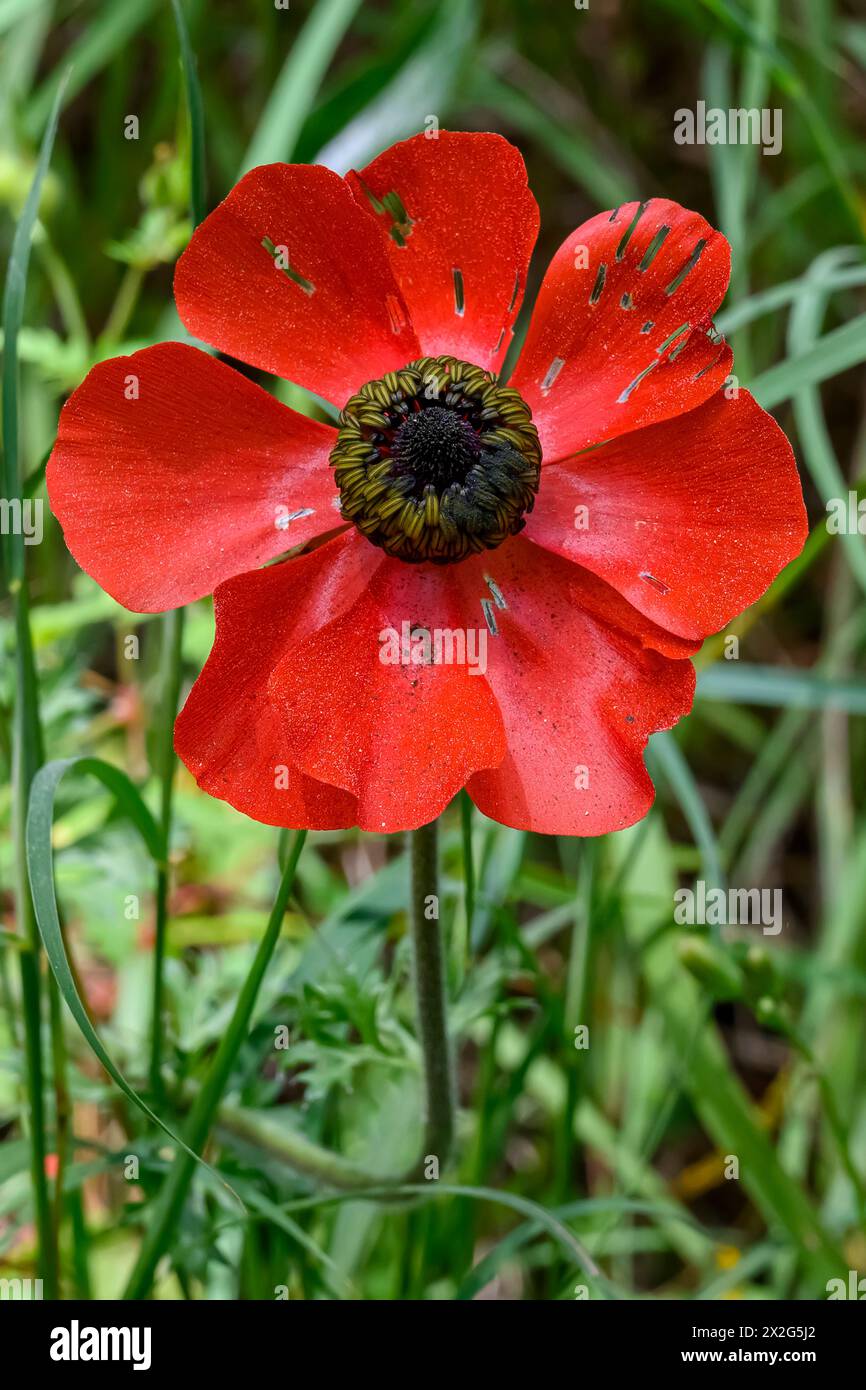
<point x="436" y="461"/>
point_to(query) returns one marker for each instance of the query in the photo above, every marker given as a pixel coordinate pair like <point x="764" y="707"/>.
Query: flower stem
<point x="172" y="632"/>
<point x="430" y="994"/>
<point x="577" y="987"/>
<point x="168" y="1204"/>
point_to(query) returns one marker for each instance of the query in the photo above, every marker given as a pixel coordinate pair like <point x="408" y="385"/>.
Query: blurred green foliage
<point x="700" y="1048"/>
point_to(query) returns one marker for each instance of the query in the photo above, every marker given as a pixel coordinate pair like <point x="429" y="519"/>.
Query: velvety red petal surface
<point x="231" y="732"/>
<point x="461" y="259"/>
<point x="296" y="681"/>
<point x="172" y="472"/>
<point x="347" y="322"/>
<point x="691" y="520"/>
<point x="403" y="738"/>
<point x="600" y="356"/>
<point x="581" y="681"/>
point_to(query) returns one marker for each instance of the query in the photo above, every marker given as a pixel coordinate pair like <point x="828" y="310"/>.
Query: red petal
<point x="472" y="213"/>
<point x="350" y="327"/>
<point x="403" y="738"/>
<point x="231" y="732"/>
<point x="163" y="496"/>
<point x="588" y="370"/>
<point x="296" y="681"/>
<point x="581" y="682"/>
<point x="690" y="520"/>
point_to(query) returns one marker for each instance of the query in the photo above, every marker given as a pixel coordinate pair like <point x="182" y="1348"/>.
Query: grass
<point x="608" y="1167"/>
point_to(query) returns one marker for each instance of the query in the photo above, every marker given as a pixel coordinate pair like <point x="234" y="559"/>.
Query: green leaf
<point x="40" y="866"/>
<point x="780" y="296"/>
<point x="817" y="446"/>
<point x="835" y="352"/>
<point x="768" y="685"/>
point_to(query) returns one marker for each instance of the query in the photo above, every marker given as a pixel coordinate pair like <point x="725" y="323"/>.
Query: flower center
<point x="437" y="461"/>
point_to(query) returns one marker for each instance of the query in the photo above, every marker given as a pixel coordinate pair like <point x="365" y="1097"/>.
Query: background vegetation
<point x="611" y="1159"/>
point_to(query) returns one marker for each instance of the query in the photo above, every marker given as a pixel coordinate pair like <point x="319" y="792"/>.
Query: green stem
<point x="31" y="1006"/>
<point x="172" y="632"/>
<point x="430" y="995"/>
<point x="63" y="288"/>
<point x="8" y="942"/>
<point x="122" y="308"/>
<point x="66" y="1203"/>
<point x="301" y="1154"/>
<point x="169" y="1203"/>
<point x="574" y="1012"/>
<point x="468" y="863"/>
<point x="28" y="755"/>
<point x="62" y="1103"/>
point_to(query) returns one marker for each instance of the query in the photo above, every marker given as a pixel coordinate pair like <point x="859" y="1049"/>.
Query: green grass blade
<point x="533" y="1211"/>
<point x="835" y="352"/>
<point x="128" y="798"/>
<point x="817" y="446"/>
<point x="665" y="753"/>
<point x="780" y="296"/>
<point x="13" y="10"/>
<point x="289" y="104"/>
<point x="195" y="108"/>
<point x="486" y="1269"/>
<point x="13" y="314"/>
<point x="768" y="685"/>
<point x="40" y="865"/>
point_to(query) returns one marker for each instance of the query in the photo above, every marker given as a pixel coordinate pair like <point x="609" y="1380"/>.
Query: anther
<point x="437" y="462"/>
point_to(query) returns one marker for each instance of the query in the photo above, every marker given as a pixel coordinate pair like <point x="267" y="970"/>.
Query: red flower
<point x="665" y="504"/>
